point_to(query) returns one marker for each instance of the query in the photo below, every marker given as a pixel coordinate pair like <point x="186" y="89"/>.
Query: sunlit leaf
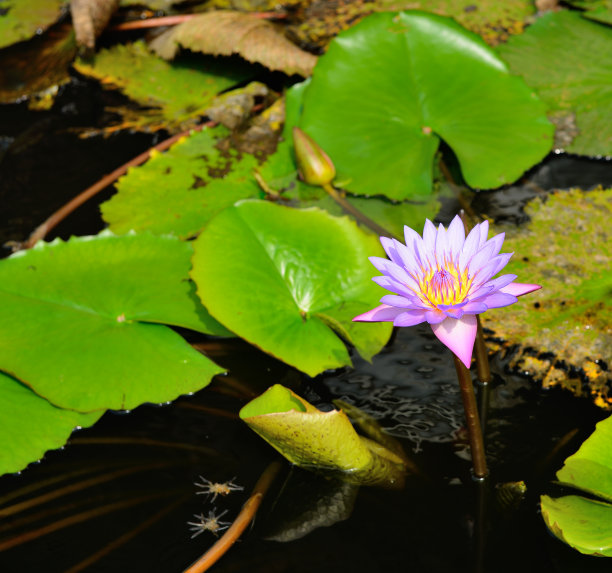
<point x="565" y="58"/>
<point x="176" y="92"/>
<point x="599" y="10"/>
<point x="81" y="322"/>
<point x="178" y="191"/>
<point x="22" y="19"/>
<point x="278" y="277"/>
<point x="585" y="523"/>
<point x="324" y="441"/>
<point x="29" y="425"/>
<point x="567" y="248"/>
<point x="224" y="33"/>
<point x="421" y="78"/>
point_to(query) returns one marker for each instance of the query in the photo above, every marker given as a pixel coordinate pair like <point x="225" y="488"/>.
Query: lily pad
<point x="81" y="322"/>
<point x="420" y="78"/>
<point x="585" y="523"/>
<point x="565" y="59"/>
<point x="598" y="10"/>
<point x="22" y="19"/>
<point x="29" y="425"/>
<point x="286" y="280"/>
<point x="175" y="93"/>
<point x="321" y="441"/>
<point x="178" y="191"/>
<point x="567" y="248"/>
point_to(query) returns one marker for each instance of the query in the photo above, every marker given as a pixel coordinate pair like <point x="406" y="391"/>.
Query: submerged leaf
<point x="565" y="58"/>
<point x="100" y="303"/>
<point x="421" y="78"/>
<point x="278" y="271"/>
<point x="177" y="93"/>
<point x="567" y="248"/>
<point x="321" y="441"/>
<point x="584" y="523"/>
<point x="29" y="425"/>
<point x="224" y="33"/>
<point x="22" y="19"/>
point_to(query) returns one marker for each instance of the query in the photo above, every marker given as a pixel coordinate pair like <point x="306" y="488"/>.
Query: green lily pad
<point x="598" y="10"/>
<point x="174" y="93"/>
<point x="80" y="321"/>
<point x="29" y="425"/>
<point x="420" y="78"/>
<point x="280" y="277"/>
<point x="585" y="524"/>
<point x="178" y="191"/>
<point x="22" y="19"/>
<point x="567" y="248"/>
<point x="321" y="441"/>
<point x="565" y="59"/>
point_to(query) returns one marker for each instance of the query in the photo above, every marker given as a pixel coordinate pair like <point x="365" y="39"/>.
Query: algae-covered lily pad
<point x="22" y="19"/>
<point x="565" y="58"/>
<point x="175" y="93"/>
<point x="178" y="191"/>
<point x="567" y="248"/>
<point x="321" y="441"/>
<point x="82" y="322"/>
<point x="288" y="280"/>
<point x="585" y="523"/>
<point x="30" y="425"/>
<point x="390" y="88"/>
<point x="599" y="10"/>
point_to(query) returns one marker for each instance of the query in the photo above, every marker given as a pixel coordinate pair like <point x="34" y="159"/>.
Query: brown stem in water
<point x="41" y="231"/>
<point x="179" y="19"/>
<point x="338" y="198"/>
<point x="479" y="462"/>
<point x="457" y="191"/>
<point x="246" y="515"/>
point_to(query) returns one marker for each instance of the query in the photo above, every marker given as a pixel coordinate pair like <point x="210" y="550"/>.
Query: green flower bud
<point x="314" y="165"/>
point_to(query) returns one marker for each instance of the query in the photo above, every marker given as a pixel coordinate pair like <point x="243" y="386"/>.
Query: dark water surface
<point x="119" y="496"/>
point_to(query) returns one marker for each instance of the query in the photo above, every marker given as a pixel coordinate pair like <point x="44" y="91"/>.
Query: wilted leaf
<point x="22" y="19"/>
<point x="567" y="248"/>
<point x="320" y="441"/>
<point x="420" y="78"/>
<point x="565" y="58"/>
<point x="178" y="191"/>
<point x="583" y="523"/>
<point x="90" y="18"/>
<point x="283" y="275"/>
<point x="100" y="303"/>
<point x="177" y="93"/>
<point x="29" y="425"/>
<point x="223" y="33"/>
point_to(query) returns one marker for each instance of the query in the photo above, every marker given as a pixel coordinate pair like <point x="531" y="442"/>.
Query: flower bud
<point x="314" y="165"/>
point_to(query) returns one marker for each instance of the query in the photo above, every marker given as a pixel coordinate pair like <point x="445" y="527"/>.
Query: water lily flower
<point x="445" y="279"/>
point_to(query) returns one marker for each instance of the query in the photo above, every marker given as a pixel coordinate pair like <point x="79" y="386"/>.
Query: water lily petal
<point x="434" y="316"/>
<point x="410" y="318"/>
<point x="391" y="250"/>
<point x="429" y="236"/>
<point x="456" y="236"/>
<point x="519" y="289"/>
<point x="489" y="270"/>
<point x="475" y="307"/>
<point x="397" y="301"/>
<point x="392" y="285"/>
<point x="382" y="313"/>
<point x="480" y="259"/>
<point x="500" y="282"/>
<point x="470" y="247"/>
<point x="483" y="229"/>
<point x="497" y="241"/>
<point x="458" y="335"/>
<point x="498" y="299"/>
<point x="389" y="268"/>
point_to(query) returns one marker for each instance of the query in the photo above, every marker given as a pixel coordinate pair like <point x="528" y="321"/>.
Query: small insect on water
<point x="215" y="489"/>
<point x="208" y="523"/>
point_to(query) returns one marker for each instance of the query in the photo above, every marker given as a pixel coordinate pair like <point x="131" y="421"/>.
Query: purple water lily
<point x="445" y="279"/>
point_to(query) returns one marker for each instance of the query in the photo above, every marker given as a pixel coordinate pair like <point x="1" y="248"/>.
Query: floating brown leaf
<point x="223" y="33"/>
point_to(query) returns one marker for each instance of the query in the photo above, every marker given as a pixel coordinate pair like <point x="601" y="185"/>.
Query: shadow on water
<point x="119" y="496"/>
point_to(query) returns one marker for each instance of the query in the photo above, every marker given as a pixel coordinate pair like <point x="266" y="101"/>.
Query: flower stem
<point x="479" y="462"/>
<point x="484" y="374"/>
<point x="338" y="198"/>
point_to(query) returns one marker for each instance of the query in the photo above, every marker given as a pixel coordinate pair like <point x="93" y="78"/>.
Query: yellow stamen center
<point x="444" y="285"/>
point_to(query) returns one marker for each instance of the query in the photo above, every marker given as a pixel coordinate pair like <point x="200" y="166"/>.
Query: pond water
<point x="119" y="496"/>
